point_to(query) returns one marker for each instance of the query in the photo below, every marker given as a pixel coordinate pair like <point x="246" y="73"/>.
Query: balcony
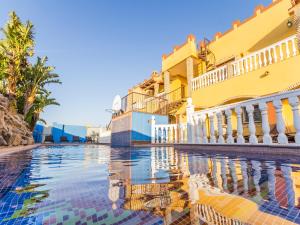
<point x="259" y="73"/>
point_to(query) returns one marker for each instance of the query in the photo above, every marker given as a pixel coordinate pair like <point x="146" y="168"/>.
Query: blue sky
<point x="103" y="47"/>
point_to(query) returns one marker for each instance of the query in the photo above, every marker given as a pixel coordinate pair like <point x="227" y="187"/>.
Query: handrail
<point x="278" y="51"/>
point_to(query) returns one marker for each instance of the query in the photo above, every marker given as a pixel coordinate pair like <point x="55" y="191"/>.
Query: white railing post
<point x="197" y="129"/>
<point x="282" y="138"/>
<point x="251" y="125"/>
<point x="181" y="134"/>
<point x="294" y="102"/>
<point x="229" y="139"/>
<point x="211" y="128"/>
<point x="190" y="123"/>
<point x="240" y="137"/>
<point x="153" y="129"/>
<point x="220" y="128"/>
<point x="204" y="130"/>
<point x="265" y="123"/>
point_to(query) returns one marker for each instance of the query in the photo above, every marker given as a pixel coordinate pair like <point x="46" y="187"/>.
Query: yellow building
<point x="255" y="57"/>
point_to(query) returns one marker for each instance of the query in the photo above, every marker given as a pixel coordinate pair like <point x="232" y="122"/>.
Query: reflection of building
<point x="193" y="189"/>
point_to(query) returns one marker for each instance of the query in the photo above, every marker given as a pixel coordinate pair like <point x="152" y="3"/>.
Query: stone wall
<point x="14" y="130"/>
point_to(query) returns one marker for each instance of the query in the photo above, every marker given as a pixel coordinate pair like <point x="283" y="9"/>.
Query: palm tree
<point x="42" y="100"/>
<point x="35" y="79"/>
<point x="15" y="49"/>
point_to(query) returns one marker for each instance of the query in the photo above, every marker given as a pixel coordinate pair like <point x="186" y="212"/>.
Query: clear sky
<point x="103" y="47"/>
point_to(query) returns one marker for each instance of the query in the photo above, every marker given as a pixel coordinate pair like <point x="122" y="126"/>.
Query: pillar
<point x="189" y="74"/>
<point x="212" y="128"/>
<point x="197" y="129"/>
<point x="252" y="129"/>
<point x="230" y="139"/>
<point x="294" y="102"/>
<point x="220" y="128"/>
<point x="190" y="122"/>
<point x="240" y="130"/>
<point x="204" y="130"/>
<point x="167" y="82"/>
<point x="280" y="125"/>
<point x="265" y="123"/>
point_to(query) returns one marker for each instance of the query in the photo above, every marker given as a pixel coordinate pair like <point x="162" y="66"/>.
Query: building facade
<point x="255" y="58"/>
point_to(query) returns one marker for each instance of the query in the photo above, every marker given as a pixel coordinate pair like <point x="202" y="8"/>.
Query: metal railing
<point x="175" y="95"/>
<point x="143" y="103"/>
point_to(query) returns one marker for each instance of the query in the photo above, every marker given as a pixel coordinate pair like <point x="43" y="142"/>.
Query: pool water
<point x="102" y="185"/>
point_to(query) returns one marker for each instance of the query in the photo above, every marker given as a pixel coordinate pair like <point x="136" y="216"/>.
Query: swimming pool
<point x="103" y="185"/>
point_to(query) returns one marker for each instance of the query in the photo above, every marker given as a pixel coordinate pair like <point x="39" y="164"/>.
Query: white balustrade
<point x="272" y="54"/>
<point x="240" y="117"/>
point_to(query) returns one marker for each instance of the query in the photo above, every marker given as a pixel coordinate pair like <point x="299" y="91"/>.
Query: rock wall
<point x="14" y="130"/>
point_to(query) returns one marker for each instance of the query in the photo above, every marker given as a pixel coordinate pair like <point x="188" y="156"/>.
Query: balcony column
<point x="280" y="125"/>
<point x="220" y="128"/>
<point x="240" y="131"/>
<point x="212" y="128"/>
<point x="189" y="74"/>
<point x="190" y="109"/>
<point x="197" y="129"/>
<point x="230" y="139"/>
<point x="167" y="82"/>
<point x="251" y="125"/>
<point x="204" y="130"/>
<point x="294" y="102"/>
<point x="289" y="185"/>
<point x="265" y="123"/>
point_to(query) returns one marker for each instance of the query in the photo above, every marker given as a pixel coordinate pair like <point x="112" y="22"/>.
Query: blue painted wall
<point x="38" y="133"/>
<point x="141" y="125"/>
<point x="59" y="130"/>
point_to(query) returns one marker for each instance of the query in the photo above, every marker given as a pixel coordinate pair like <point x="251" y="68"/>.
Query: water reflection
<point x="193" y="188"/>
<point x="92" y="184"/>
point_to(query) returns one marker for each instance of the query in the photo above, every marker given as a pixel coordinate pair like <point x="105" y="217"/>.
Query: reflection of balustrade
<point x="272" y="54"/>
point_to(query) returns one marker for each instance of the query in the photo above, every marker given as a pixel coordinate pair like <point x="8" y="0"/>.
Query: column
<point x="289" y="186"/>
<point x="265" y="123"/>
<point x="294" y="102"/>
<point x="167" y="82"/>
<point x="220" y="128"/>
<point x="153" y="130"/>
<point x="280" y="125"/>
<point x="271" y="180"/>
<point x="251" y="125"/>
<point x="256" y="165"/>
<point x="200" y="129"/>
<point x="190" y="121"/>
<point x="233" y="175"/>
<point x="230" y="139"/>
<point x="244" y="169"/>
<point x="189" y="74"/>
<point x="224" y="174"/>
<point x="203" y="122"/>
<point x="181" y="133"/>
<point x="212" y="128"/>
<point x="240" y="131"/>
<point x="197" y="129"/>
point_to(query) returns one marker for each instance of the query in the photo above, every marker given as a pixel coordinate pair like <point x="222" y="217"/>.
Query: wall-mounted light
<point x="289" y="23"/>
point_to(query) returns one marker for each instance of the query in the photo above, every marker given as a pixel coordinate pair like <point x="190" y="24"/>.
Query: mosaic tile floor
<point x="100" y="185"/>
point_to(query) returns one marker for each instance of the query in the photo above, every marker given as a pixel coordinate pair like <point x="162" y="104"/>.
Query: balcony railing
<point x="272" y="54"/>
<point x="202" y="129"/>
<point x="174" y="96"/>
<point x="143" y="103"/>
